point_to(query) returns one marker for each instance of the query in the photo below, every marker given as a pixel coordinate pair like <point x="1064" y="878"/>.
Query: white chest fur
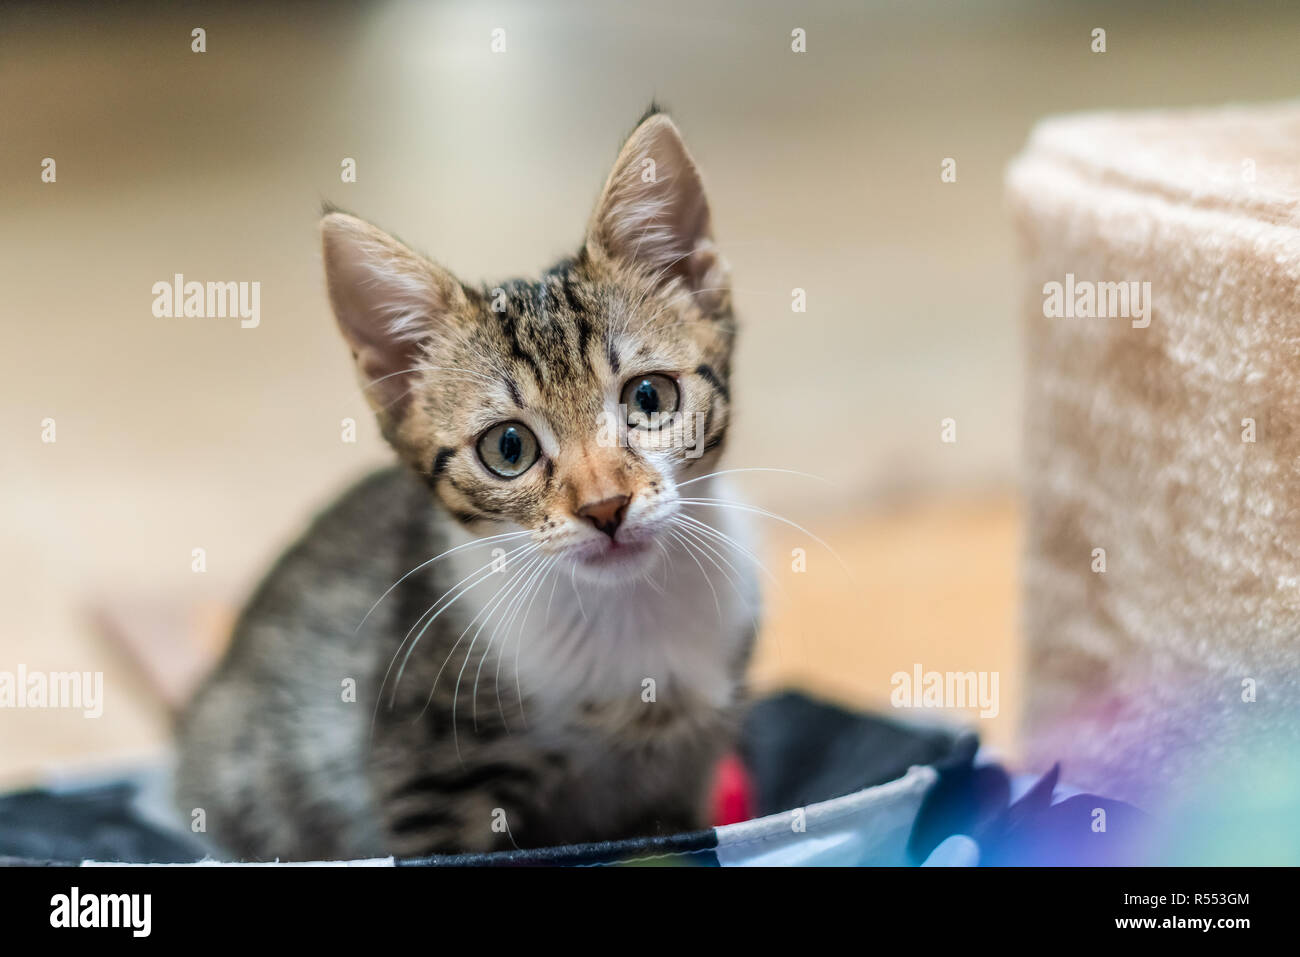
<point x="672" y="632"/>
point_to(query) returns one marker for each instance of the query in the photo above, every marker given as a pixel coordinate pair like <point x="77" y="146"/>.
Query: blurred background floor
<point x="823" y="171"/>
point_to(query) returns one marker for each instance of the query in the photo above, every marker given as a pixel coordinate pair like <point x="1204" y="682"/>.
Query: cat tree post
<point x="1161" y="574"/>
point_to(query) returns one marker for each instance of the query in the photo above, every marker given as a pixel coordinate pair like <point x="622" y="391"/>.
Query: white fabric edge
<point x="867" y="827"/>
<point x="208" y="862"/>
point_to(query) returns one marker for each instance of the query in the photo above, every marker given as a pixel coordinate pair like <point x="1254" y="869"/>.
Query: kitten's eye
<point x="508" y="449"/>
<point x="647" y="397"/>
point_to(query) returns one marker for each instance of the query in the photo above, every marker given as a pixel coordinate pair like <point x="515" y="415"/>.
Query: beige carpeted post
<point x="1161" y="577"/>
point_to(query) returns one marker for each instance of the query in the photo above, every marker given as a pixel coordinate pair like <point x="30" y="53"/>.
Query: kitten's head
<point x="569" y="406"/>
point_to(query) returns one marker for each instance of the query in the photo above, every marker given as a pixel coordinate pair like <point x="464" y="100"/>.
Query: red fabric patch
<point x="733" y="793"/>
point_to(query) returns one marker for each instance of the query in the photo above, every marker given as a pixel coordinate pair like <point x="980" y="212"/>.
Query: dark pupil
<point x="510" y="445"/>
<point x="647" y="398"/>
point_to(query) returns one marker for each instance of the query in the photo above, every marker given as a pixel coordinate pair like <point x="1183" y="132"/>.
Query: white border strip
<point x="870" y="827"/>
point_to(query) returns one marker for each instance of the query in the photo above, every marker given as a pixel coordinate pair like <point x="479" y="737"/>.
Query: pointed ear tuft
<point x="654" y="109"/>
<point x="653" y="214"/>
<point x="388" y="302"/>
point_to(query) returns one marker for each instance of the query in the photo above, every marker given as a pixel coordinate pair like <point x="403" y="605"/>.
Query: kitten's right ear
<point x="653" y="214"/>
<point x="388" y="302"/>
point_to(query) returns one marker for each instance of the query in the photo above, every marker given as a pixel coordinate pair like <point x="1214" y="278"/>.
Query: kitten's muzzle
<point x="607" y="514"/>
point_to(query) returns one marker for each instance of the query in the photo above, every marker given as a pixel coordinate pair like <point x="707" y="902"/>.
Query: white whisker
<point x="425" y="564"/>
<point x="686" y="546"/>
<point x="540" y="578"/>
<point x="522" y="551"/>
<point x="506" y="620"/>
<point x="486" y="571"/>
<point x="706" y="529"/>
<point x="735" y="587"/>
<point x="499" y="597"/>
<point x="723" y="503"/>
<point x="701" y="478"/>
<point x="573" y="580"/>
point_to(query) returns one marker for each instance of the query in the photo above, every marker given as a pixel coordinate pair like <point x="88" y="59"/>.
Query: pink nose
<point x="607" y="514"/>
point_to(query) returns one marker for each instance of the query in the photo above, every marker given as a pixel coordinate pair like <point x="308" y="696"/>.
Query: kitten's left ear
<point x="653" y="214"/>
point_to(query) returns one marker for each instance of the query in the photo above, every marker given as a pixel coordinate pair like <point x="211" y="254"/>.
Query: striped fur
<point x="581" y="691"/>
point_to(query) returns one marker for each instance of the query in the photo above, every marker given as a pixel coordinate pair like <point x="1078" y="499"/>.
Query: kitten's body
<point x="583" y="687"/>
<point x="284" y="767"/>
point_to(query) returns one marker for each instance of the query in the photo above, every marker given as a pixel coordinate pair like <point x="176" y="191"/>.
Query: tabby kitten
<point x="561" y="658"/>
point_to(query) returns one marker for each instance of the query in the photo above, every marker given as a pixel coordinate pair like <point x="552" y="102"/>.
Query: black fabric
<point x="801" y="751"/>
<point x="93" y="823"/>
<point x="693" y="848"/>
